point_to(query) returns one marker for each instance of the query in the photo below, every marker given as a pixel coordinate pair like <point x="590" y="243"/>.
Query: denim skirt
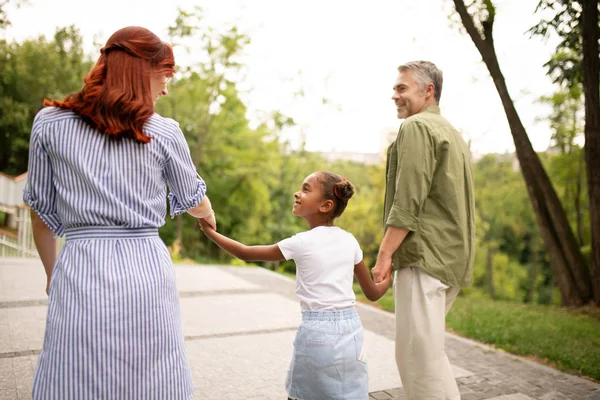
<point x="329" y="361"/>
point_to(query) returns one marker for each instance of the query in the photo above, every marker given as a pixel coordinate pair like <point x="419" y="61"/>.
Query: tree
<point x="567" y="169"/>
<point x="568" y="264"/>
<point x="576" y="63"/>
<point x="4" y="21"/>
<point x="29" y="72"/>
<point x="506" y="230"/>
<point x="591" y="85"/>
<point x="239" y="163"/>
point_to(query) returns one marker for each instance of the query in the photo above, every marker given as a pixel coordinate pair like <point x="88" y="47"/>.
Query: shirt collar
<point x="434" y="108"/>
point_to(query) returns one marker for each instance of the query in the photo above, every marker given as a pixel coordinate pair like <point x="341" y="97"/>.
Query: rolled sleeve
<point x="40" y="193"/>
<point x="416" y="164"/>
<point x="399" y="218"/>
<point x="186" y="187"/>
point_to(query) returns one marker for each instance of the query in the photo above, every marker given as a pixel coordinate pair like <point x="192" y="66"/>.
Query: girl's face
<point x="309" y="199"/>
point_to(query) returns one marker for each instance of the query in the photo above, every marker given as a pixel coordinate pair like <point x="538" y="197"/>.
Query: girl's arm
<point x="239" y="250"/>
<point x="45" y="244"/>
<point x="372" y="290"/>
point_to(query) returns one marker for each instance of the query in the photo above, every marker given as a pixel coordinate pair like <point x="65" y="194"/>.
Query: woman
<point x="99" y="165"/>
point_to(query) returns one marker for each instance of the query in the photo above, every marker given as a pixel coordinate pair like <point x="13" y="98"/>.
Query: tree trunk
<point x="490" y="273"/>
<point x="577" y="201"/>
<point x="591" y="84"/>
<point x="565" y="256"/>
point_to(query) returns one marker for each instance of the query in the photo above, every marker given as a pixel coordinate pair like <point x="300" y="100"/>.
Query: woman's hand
<point x="208" y="223"/>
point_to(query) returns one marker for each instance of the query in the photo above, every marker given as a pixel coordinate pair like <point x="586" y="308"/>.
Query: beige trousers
<point x="422" y="303"/>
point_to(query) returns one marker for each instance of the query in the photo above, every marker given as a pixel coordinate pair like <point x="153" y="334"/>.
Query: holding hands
<point x="382" y="269"/>
<point x="208" y="224"/>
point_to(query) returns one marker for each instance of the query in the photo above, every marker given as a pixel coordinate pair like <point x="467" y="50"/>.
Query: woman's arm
<point x="202" y="210"/>
<point x="239" y="250"/>
<point x="45" y="244"/>
<point x="372" y="290"/>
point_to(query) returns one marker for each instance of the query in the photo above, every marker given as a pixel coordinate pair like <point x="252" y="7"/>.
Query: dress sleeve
<point x="40" y="193"/>
<point x="186" y="187"/>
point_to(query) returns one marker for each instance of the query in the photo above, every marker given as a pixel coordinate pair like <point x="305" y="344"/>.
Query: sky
<point x="345" y="51"/>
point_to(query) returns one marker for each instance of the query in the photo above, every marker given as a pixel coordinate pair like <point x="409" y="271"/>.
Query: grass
<point x="565" y="339"/>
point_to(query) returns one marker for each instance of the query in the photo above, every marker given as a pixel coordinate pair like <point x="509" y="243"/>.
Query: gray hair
<point x="426" y="72"/>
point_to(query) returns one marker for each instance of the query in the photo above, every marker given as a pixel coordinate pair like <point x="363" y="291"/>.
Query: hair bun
<point x="344" y="189"/>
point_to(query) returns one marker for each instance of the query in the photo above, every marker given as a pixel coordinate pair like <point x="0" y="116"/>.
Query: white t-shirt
<point x="325" y="258"/>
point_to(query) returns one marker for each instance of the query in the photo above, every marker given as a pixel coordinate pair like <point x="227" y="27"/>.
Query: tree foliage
<point x="252" y="174"/>
<point x="29" y="72"/>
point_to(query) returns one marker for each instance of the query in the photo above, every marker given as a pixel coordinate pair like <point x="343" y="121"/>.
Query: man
<point x="429" y="238"/>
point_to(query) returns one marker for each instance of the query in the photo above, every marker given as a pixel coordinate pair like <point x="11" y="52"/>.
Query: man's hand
<point x="392" y="239"/>
<point x="48" y="286"/>
<point x="384" y="285"/>
<point x="382" y="268"/>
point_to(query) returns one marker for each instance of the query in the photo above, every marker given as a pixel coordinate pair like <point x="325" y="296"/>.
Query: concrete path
<point x="239" y="325"/>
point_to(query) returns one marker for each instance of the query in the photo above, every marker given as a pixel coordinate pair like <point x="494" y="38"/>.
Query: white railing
<point x="11" y="189"/>
<point x="20" y="244"/>
<point x="9" y="244"/>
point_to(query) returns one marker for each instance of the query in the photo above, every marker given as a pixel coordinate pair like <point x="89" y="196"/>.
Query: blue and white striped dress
<point x="113" y="329"/>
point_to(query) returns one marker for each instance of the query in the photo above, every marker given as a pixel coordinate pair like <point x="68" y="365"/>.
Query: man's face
<point x="409" y="96"/>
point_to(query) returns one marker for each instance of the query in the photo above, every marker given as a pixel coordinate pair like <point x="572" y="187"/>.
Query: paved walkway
<point x="239" y="325"/>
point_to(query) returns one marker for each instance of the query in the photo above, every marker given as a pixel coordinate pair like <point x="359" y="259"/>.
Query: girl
<point x="328" y="360"/>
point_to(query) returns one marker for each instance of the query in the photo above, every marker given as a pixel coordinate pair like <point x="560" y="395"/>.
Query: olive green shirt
<point x="429" y="191"/>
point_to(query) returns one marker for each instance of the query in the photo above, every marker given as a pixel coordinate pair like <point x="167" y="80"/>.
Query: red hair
<point x="116" y="97"/>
